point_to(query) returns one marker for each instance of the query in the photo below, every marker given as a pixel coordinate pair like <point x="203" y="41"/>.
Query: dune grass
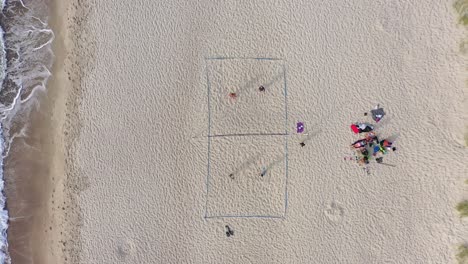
<point x="463" y="47"/>
<point x="462" y="208"/>
<point x="462" y="255"/>
<point x="461" y="6"/>
<point x="466" y="137"/>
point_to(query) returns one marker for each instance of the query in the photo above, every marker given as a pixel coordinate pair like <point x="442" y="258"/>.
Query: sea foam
<point x="25" y="61"/>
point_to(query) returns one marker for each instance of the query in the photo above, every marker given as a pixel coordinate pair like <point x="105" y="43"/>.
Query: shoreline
<point x="42" y="212"/>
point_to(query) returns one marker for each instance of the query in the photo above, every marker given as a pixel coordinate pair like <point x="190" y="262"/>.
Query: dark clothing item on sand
<point x="361" y="128"/>
<point x="377" y="114"/>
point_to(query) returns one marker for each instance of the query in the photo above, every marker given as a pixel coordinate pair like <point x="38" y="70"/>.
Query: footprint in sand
<point x="334" y="212"/>
<point x="126" y="248"/>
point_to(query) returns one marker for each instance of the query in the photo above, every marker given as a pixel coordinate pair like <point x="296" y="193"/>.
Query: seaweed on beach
<point x="461" y="6"/>
<point x="463" y="47"/>
<point x="466" y="137"/>
<point x="462" y="255"/>
<point x="462" y="208"/>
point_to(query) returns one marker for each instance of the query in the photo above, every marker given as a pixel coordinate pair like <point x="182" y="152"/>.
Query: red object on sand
<point x="233" y="95"/>
<point x="387" y="143"/>
<point x="355" y="128"/>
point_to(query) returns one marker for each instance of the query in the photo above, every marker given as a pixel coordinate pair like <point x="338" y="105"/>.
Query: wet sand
<point x="28" y="188"/>
<point x="35" y="170"/>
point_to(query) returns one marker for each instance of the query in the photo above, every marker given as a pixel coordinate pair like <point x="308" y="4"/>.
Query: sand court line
<point x="242" y="58"/>
<point x="245" y="216"/>
<point x="252" y="134"/>
<point x="308" y="136"/>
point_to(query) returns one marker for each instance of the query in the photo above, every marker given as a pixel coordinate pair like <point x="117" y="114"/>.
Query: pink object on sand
<point x="355" y="128"/>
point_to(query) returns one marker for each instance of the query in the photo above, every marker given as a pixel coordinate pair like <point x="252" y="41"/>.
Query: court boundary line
<point x="285" y="135"/>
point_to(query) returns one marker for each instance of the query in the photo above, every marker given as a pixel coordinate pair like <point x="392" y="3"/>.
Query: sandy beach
<point x="146" y="134"/>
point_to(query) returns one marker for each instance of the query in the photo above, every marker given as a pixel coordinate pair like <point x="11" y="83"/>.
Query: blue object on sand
<point x="300" y="127"/>
<point x="376" y="149"/>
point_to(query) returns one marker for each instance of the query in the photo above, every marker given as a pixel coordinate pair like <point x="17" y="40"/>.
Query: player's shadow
<point x="254" y="83"/>
<point x="311" y="135"/>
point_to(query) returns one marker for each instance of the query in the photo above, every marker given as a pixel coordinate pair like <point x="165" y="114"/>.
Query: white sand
<point x="142" y="148"/>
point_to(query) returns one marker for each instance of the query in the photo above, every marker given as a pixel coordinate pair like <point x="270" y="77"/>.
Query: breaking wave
<point x="25" y="62"/>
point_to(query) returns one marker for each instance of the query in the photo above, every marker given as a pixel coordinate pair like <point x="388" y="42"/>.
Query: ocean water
<point x="25" y="65"/>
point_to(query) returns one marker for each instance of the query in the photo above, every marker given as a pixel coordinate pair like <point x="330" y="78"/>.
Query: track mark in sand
<point x="334" y="212"/>
<point x="126" y="248"/>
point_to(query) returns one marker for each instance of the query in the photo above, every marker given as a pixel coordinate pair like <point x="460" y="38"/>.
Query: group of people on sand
<point x="370" y="146"/>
